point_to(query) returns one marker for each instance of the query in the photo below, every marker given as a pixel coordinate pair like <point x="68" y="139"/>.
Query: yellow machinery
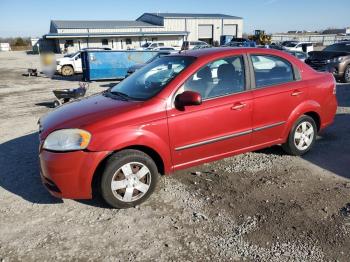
<point x="260" y="38"/>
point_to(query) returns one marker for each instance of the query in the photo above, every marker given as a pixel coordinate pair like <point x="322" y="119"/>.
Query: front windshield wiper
<point x="120" y="94"/>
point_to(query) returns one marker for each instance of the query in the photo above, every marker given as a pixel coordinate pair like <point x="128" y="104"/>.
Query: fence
<point x="324" y="40"/>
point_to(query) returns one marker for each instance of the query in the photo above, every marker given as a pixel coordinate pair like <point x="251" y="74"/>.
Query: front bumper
<point x="69" y="174"/>
<point x="58" y="68"/>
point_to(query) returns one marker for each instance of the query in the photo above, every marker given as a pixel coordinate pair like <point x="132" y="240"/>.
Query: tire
<point x="67" y="70"/>
<point x="56" y="103"/>
<point x="124" y="191"/>
<point x="347" y="74"/>
<point x="301" y="137"/>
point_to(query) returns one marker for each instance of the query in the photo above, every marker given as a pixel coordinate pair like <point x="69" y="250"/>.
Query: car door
<point x="77" y="63"/>
<point x="221" y="124"/>
<point x="276" y="93"/>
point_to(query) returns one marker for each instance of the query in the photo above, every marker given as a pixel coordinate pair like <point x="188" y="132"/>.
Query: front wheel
<point x="129" y="179"/>
<point x="347" y="74"/>
<point x="302" y="136"/>
<point x="67" y="70"/>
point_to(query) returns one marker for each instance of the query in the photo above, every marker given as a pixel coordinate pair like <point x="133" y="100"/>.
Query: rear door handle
<point x="238" y="106"/>
<point x="296" y="93"/>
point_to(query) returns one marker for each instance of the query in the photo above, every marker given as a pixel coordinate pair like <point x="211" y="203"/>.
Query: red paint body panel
<point x="184" y="138"/>
<point x="71" y="172"/>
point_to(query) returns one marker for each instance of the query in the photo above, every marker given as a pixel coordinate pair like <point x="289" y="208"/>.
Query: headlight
<point x="67" y="140"/>
<point x="338" y="59"/>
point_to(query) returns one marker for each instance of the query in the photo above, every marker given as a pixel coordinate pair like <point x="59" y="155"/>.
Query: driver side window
<point x="219" y="78"/>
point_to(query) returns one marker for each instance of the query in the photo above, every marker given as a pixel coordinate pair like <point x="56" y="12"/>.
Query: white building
<point x="170" y="28"/>
<point x="5" y="47"/>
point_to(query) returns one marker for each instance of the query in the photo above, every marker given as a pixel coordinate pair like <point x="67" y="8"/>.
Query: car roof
<point x="208" y="52"/>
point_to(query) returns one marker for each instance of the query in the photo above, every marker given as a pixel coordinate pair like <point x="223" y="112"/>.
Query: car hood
<point x="323" y="55"/>
<point x="64" y="59"/>
<point x="81" y="113"/>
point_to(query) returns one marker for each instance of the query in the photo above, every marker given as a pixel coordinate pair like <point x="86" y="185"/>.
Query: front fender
<point x="305" y="107"/>
<point x="154" y="136"/>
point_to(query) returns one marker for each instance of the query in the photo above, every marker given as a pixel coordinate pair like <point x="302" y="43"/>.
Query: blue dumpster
<point x="100" y="65"/>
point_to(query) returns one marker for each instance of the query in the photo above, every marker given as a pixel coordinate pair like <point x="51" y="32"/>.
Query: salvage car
<point x="334" y="58"/>
<point x="180" y="111"/>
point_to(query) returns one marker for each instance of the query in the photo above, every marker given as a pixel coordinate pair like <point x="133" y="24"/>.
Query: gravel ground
<point x="260" y="206"/>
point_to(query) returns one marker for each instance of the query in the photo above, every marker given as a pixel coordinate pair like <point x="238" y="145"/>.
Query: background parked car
<point x="334" y="58"/>
<point x="300" y="46"/>
<point x="188" y="45"/>
<point x="152" y="45"/>
<point x="165" y="48"/>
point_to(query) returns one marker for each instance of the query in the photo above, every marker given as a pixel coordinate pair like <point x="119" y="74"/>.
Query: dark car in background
<point x="334" y="58"/>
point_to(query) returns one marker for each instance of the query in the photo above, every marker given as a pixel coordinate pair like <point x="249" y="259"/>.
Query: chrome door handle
<point x="296" y="93"/>
<point x="238" y="106"/>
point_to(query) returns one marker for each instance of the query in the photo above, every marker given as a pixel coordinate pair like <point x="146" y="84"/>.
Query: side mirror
<point x="188" y="98"/>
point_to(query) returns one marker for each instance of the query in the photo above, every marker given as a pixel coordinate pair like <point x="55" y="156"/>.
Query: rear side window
<point x="271" y="70"/>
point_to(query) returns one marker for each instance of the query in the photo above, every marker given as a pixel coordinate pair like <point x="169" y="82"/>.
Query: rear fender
<point x="305" y="107"/>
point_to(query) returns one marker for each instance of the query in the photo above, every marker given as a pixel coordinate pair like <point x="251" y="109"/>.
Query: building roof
<point x="91" y="24"/>
<point x="193" y="15"/>
<point x="112" y="34"/>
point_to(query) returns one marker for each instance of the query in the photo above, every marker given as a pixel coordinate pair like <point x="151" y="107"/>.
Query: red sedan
<point x="179" y="111"/>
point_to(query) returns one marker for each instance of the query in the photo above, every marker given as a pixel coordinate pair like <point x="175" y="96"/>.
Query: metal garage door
<point x="205" y="31"/>
<point x="230" y="29"/>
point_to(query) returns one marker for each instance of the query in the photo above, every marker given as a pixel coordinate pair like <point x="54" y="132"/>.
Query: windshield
<point x="338" y="48"/>
<point x="146" y="45"/>
<point x="152" y="78"/>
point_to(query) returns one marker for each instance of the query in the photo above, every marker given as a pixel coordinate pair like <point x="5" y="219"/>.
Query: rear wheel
<point x="302" y="136"/>
<point x="67" y="70"/>
<point x="129" y="179"/>
<point x="347" y="74"/>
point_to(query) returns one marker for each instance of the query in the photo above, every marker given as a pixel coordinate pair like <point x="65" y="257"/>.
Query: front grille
<point x="319" y="65"/>
<point x="318" y="62"/>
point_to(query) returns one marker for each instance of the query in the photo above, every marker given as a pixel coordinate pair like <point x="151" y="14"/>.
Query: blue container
<point x="101" y="65"/>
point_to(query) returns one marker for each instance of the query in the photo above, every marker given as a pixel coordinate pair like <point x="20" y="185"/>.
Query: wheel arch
<point x="316" y="117"/>
<point x="310" y="108"/>
<point x="152" y="153"/>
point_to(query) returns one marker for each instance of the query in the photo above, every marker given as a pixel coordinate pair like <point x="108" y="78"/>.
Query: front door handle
<point x="238" y="106"/>
<point x="296" y="93"/>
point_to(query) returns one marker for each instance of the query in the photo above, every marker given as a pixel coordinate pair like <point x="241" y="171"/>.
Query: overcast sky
<point x="32" y="18"/>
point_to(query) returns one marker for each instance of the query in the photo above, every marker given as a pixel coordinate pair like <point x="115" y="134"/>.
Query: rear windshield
<point x="343" y="47"/>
